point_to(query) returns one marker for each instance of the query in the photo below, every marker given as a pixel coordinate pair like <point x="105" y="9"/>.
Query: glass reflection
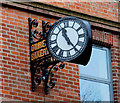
<point x="97" y="65"/>
<point x="93" y="91"/>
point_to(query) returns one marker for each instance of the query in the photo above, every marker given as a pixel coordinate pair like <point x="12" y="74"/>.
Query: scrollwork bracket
<point x="44" y="66"/>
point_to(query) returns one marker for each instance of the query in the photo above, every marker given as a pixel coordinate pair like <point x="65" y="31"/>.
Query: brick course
<point x="104" y="9"/>
<point x="14" y="55"/>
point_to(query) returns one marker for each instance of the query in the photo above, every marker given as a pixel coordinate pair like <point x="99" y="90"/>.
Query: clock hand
<point x="67" y="39"/>
<point x="65" y="36"/>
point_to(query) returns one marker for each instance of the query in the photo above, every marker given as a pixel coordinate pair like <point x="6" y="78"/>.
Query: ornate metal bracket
<point x="44" y="66"/>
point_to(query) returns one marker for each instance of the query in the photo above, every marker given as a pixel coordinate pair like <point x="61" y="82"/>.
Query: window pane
<point x="93" y="91"/>
<point x="97" y="65"/>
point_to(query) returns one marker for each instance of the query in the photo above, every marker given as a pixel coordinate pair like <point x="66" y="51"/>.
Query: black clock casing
<point x="70" y="39"/>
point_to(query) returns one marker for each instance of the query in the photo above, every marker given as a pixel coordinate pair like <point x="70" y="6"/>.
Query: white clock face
<point x="67" y="39"/>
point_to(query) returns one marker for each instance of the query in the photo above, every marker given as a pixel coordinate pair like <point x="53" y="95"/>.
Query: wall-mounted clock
<point x="68" y="38"/>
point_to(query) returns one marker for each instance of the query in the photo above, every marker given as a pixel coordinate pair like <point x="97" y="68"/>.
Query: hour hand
<point x="66" y="37"/>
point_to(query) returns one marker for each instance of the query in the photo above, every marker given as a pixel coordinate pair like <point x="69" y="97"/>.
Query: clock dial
<point x="67" y="38"/>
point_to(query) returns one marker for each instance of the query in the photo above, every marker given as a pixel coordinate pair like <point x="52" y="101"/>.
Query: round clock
<point x="68" y="38"/>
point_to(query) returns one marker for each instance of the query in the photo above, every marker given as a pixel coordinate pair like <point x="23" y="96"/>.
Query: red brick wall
<point x="105" y="9"/>
<point x="14" y="55"/>
<point x="115" y="56"/>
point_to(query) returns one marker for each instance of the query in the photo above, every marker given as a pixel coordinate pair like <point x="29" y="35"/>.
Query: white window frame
<point x="108" y="81"/>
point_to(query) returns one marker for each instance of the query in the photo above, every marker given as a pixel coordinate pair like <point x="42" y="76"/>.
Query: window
<point x="96" y="76"/>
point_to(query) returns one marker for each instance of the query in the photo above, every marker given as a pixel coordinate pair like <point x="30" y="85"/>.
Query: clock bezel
<point x="83" y="45"/>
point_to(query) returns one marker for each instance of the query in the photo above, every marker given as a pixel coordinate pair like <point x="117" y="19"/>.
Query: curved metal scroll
<point x="45" y="66"/>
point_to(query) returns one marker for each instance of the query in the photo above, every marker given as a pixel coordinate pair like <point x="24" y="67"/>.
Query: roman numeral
<point x="53" y="42"/>
<point x="75" y="49"/>
<point x="79" y="43"/>
<point x="61" y="53"/>
<point x="56" y="30"/>
<point x="59" y="27"/>
<point x="55" y="49"/>
<point x="65" y="54"/>
<point x="73" y="25"/>
<point x="81" y="35"/>
<point x="81" y="31"/>
<point x="79" y="28"/>
<point x="53" y="45"/>
<point x="72" y="52"/>
<point x="66" y="24"/>
<point x="78" y="47"/>
<point x="68" y="53"/>
<point x="58" y="51"/>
